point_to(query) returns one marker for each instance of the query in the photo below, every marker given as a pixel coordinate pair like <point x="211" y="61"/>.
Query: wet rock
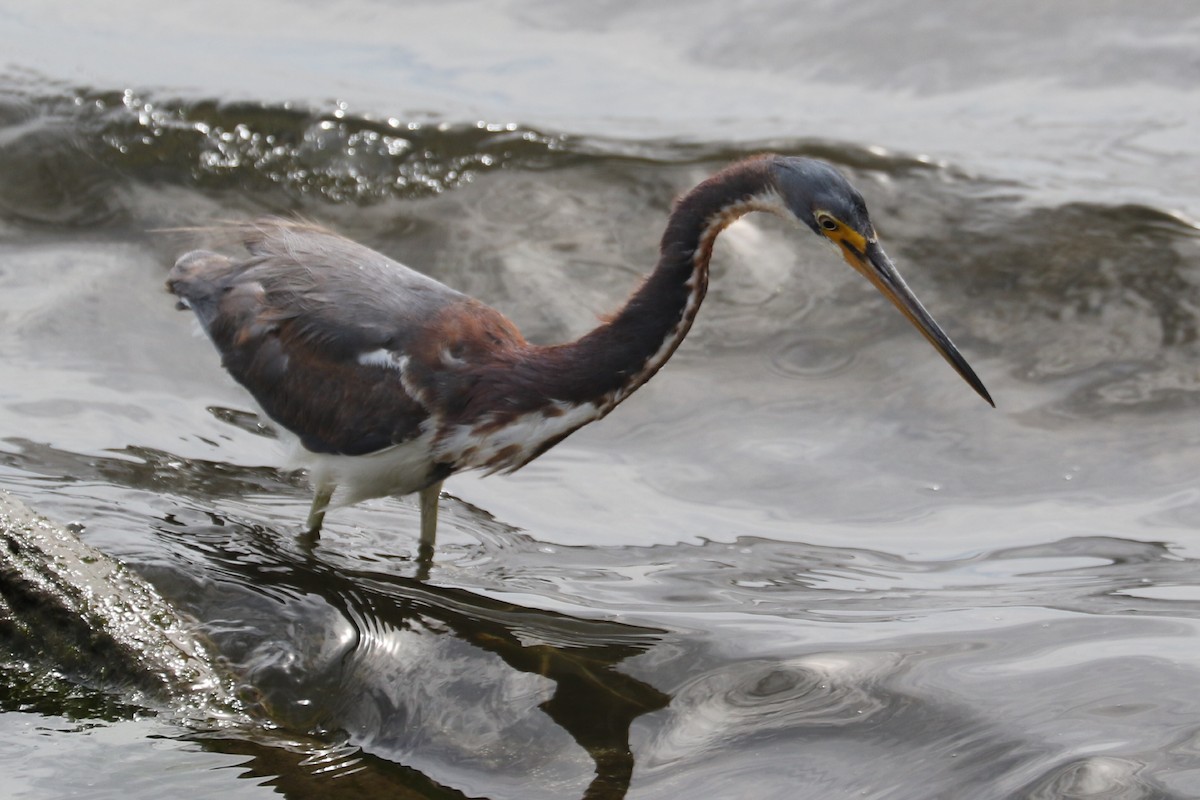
<point x="86" y="616"/>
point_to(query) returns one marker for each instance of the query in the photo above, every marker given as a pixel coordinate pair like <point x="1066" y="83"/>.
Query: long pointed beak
<point x="881" y="272"/>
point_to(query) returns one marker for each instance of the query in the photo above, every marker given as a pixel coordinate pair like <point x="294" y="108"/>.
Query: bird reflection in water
<point x="380" y="647"/>
<point x="332" y="637"/>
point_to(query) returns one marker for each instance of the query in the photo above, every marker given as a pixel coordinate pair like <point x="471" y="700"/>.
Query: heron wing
<point x="318" y="329"/>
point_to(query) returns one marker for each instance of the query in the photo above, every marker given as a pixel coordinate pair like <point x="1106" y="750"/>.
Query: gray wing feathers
<point x="345" y="298"/>
<point x="293" y="318"/>
<point x="196" y="280"/>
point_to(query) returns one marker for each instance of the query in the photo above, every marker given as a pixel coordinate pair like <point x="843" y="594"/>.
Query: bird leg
<point x="429" y="514"/>
<point x="316" y="514"/>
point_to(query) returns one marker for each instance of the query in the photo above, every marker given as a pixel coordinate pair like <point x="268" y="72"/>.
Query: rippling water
<point x="804" y="561"/>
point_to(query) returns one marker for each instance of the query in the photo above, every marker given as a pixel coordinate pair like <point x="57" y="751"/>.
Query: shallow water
<point x="804" y="561"/>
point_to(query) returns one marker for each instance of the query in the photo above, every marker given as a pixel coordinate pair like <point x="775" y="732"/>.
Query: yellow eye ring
<point x="827" y="222"/>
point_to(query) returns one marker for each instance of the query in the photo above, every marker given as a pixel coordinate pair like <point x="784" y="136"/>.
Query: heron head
<point x="823" y="199"/>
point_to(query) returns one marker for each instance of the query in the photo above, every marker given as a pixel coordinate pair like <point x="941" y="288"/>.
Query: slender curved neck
<point x="606" y="365"/>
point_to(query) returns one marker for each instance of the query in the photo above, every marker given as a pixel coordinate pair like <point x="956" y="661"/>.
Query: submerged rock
<point x="86" y="616"/>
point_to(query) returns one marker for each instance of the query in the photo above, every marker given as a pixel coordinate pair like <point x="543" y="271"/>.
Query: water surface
<point x="804" y="561"/>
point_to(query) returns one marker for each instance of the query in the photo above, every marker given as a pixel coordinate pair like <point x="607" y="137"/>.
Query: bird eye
<point x="827" y="222"/>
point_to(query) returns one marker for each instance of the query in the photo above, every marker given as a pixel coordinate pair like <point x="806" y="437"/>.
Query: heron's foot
<point x="307" y="541"/>
<point x="424" y="561"/>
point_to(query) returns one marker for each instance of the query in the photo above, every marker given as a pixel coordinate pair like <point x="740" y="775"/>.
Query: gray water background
<point x="804" y="561"/>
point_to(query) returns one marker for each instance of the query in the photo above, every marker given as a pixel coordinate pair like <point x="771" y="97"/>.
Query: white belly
<point x="400" y="469"/>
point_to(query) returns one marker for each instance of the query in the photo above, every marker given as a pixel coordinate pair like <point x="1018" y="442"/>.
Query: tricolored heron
<point x="393" y="382"/>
